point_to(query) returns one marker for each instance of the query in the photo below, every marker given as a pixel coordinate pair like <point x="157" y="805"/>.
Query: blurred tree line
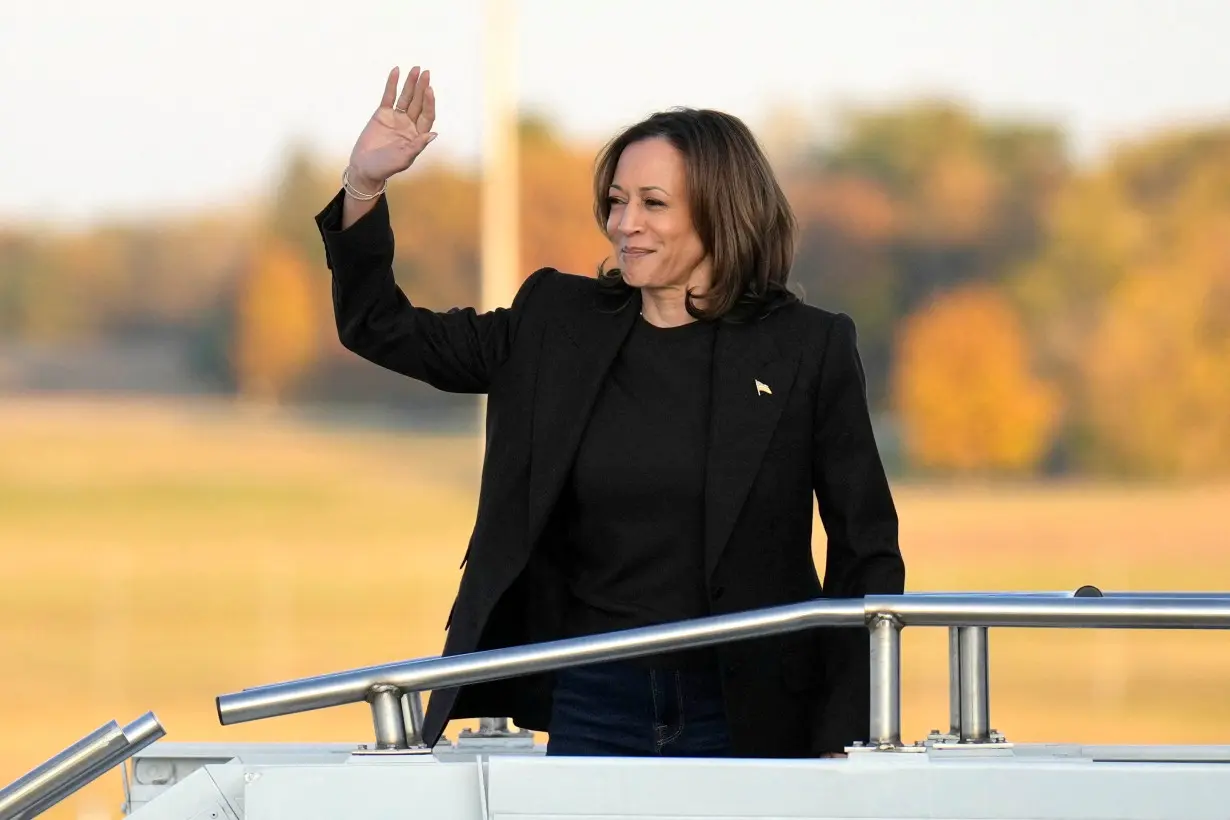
<point x="1017" y="314"/>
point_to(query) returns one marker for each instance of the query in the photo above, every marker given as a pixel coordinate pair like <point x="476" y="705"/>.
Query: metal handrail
<point x="77" y="766"/>
<point x="353" y="686"/>
<point x="1210" y="611"/>
<point x="1025" y="609"/>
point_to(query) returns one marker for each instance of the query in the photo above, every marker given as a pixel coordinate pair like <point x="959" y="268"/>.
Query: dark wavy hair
<point x="745" y="223"/>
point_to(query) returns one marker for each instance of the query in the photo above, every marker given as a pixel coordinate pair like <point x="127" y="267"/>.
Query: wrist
<point x="356" y="181"/>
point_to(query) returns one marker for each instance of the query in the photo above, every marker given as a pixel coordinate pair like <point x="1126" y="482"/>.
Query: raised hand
<point x="396" y="134"/>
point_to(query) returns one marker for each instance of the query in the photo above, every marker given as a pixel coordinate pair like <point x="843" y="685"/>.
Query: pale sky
<point x="132" y="106"/>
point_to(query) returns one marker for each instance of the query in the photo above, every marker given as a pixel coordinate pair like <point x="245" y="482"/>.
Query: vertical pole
<point x="500" y="215"/>
<point x="500" y="224"/>
<point x="885" y="682"/>
<point x="500" y="205"/>
<point x="975" y="685"/>
<point x="493" y="726"/>
<point x="387" y="717"/>
<point x="412" y="715"/>
<point x="954" y="681"/>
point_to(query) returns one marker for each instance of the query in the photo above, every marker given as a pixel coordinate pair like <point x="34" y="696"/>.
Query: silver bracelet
<point x="355" y="192"/>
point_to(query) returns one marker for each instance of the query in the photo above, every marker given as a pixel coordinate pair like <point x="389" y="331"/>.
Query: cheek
<point x="690" y="246"/>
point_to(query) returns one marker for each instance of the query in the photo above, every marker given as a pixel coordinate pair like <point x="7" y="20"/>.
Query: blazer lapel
<point x="752" y="380"/>
<point x="577" y="353"/>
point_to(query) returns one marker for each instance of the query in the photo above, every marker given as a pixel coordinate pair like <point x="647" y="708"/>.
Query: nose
<point x="628" y="220"/>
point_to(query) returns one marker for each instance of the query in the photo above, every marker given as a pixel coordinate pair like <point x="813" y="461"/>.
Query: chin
<point x="633" y="281"/>
<point x="645" y="276"/>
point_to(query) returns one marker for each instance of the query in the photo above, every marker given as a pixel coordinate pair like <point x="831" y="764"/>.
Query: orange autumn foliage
<point x="1157" y="369"/>
<point x="277" y="323"/>
<point x="557" y="204"/>
<point x="962" y="386"/>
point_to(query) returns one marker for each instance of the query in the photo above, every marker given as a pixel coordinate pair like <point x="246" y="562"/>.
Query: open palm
<point x="398" y="131"/>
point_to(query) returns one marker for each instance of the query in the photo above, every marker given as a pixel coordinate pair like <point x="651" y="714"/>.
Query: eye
<point x="655" y="203"/>
<point x="612" y="201"/>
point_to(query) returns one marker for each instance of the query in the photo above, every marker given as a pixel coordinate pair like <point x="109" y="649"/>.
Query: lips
<point x="635" y="253"/>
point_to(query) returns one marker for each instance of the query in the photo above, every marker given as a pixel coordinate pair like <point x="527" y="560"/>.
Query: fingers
<point x="407" y="91"/>
<point x="390" y="89"/>
<point x="416" y="145"/>
<point x="415" y="108"/>
<point x="428" y="118"/>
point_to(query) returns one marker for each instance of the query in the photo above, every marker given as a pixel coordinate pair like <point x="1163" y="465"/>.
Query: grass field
<point x="156" y="555"/>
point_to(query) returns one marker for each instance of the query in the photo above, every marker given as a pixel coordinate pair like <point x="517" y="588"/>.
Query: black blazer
<point x="541" y="363"/>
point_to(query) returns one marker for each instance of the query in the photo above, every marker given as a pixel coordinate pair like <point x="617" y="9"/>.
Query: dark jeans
<point x="630" y="710"/>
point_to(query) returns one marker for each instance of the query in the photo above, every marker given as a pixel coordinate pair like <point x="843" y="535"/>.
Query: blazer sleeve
<point x="457" y="351"/>
<point x="857" y="510"/>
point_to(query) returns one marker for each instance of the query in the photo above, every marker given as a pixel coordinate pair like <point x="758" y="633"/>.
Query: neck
<point x="665" y="307"/>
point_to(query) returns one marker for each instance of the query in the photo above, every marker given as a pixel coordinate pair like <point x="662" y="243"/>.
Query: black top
<point x="634" y="545"/>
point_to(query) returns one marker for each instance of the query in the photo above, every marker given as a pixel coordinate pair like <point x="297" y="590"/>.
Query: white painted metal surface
<point x="1039" y="782"/>
<point x="969" y="772"/>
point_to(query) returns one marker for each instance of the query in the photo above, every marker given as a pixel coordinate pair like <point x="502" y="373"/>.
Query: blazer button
<point x="717" y="592"/>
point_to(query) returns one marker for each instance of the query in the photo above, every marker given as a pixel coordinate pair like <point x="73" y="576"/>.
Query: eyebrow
<point x="643" y="188"/>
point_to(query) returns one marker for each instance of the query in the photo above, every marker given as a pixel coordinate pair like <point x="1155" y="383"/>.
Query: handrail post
<point x="412" y="714"/>
<point x="495" y="733"/>
<point x="954" y="682"/>
<point x="493" y="726"/>
<point x="387" y="717"/>
<point x="885" y="728"/>
<point x="974" y="678"/>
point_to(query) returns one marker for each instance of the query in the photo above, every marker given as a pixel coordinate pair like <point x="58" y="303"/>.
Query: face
<point x="650" y="224"/>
